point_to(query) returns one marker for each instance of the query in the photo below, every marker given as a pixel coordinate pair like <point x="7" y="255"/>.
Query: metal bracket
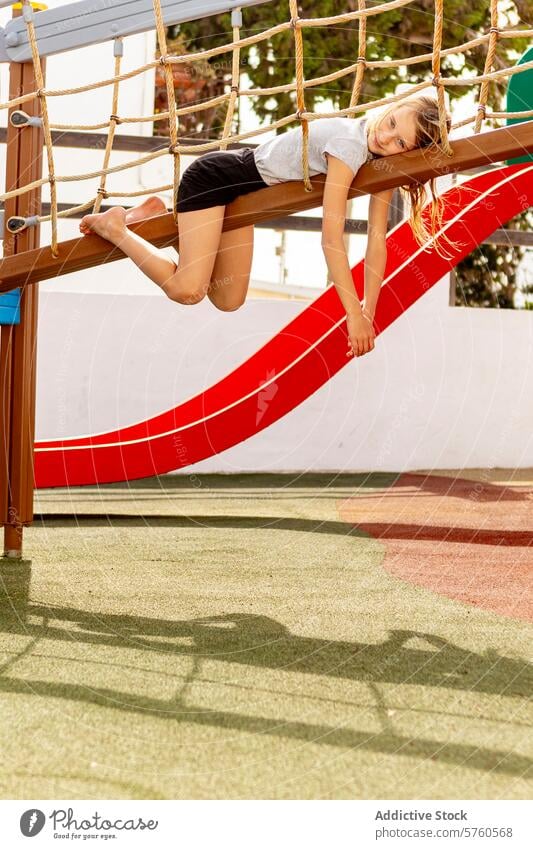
<point x="18" y="118"/>
<point x="16" y="224"/>
<point x="27" y="14"/>
<point x="89" y="22"/>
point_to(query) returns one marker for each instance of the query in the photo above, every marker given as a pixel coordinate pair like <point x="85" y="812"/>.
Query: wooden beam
<point x="352" y="226"/>
<point x="130" y="144"/>
<point x="276" y="201"/>
<point x="510" y="238"/>
<point x="357" y="226"/>
<point x="18" y="352"/>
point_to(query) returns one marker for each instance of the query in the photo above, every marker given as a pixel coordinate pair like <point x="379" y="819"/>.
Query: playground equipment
<point x="298" y="360"/>
<point x="102" y="457"/>
<point x="520" y="97"/>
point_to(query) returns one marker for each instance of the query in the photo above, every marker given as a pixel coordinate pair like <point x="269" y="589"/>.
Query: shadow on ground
<point x="260" y="641"/>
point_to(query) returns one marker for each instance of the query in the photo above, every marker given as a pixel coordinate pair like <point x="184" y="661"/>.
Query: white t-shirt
<point x="280" y="158"/>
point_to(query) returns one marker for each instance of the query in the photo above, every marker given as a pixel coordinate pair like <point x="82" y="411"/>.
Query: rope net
<point x="298" y="26"/>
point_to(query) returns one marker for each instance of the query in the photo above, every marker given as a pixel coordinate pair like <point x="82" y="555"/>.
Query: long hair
<point x="428" y="136"/>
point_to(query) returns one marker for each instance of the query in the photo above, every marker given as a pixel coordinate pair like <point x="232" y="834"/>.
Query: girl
<point x="218" y="263"/>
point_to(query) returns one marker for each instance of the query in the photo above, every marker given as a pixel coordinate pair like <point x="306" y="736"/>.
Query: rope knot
<point x="162" y="60"/>
<point x="172" y="149"/>
<point x="494" y="29"/>
<point x="299" y="115"/>
<point x="116" y="118"/>
<point x="436" y="81"/>
<point x="482" y="108"/>
<point x="294" y="22"/>
<point x="361" y="59"/>
<point x="40" y="92"/>
<point x="101" y="191"/>
<point x="235" y="88"/>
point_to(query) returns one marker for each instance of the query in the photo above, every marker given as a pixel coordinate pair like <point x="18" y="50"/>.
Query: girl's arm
<point x="376" y="249"/>
<point x="360" y="330"/>
<point x="338" y="181"/>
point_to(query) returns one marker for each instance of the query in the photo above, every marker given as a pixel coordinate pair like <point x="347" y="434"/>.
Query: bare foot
<point x="147" y="209"/>
<point x="110" y="224"/>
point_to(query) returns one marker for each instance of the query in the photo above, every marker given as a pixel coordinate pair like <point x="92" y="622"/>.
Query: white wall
<point x="444" y="388"/>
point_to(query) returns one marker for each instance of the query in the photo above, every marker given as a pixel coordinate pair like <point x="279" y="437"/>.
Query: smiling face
<point x="393" y="132"/>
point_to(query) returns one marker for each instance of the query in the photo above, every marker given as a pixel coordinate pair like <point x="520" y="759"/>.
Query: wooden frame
<point x="18" y="343"/>
<point x="275" y="201"/>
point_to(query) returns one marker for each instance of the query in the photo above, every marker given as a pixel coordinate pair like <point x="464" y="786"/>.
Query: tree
<point x="488" y="276"/>
<point x="393" y="35"/>
<point x="194" y="82"/>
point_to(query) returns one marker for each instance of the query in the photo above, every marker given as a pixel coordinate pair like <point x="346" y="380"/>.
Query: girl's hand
<point x="360" y="333"/>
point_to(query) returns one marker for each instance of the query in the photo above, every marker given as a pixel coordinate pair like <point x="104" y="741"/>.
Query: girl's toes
<point x="85" y="224"/>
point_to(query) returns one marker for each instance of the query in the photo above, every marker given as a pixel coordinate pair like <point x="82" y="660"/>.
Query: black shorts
<point x="217" y="178"/>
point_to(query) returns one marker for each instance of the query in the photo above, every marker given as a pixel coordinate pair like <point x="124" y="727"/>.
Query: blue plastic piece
<point x="10" y="308"/>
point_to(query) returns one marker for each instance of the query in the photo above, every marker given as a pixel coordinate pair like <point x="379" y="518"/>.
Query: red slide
<point x="294" y="363"/>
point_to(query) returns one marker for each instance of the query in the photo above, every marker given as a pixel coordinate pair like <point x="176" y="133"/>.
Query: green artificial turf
<point x="232" y="638"/>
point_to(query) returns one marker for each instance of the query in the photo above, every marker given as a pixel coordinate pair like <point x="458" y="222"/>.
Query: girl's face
<point x="393" y="132"/>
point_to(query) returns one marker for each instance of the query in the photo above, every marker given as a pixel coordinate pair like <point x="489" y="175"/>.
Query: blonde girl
<point x="218" y="264"/>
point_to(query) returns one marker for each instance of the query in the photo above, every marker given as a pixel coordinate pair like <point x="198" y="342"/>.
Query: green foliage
<point x="399" y="34"/>
<point x="487" y="277"/>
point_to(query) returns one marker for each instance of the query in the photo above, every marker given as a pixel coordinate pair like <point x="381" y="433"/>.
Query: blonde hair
<point x="427" y="136"/>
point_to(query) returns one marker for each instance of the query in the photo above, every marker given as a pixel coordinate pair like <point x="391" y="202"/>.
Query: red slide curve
<point x="294" y="363"/>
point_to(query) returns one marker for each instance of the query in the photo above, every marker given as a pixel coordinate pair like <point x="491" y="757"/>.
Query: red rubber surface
<point x="468" y="540"/>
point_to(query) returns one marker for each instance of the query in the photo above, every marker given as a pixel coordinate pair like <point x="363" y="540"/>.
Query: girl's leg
<point x="199" y="239"/>
<point x="231" y="273"/>
<point x="147" y="209"/>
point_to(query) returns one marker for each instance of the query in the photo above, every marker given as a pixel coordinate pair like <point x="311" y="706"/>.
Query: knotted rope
<point x="299" y="85"/>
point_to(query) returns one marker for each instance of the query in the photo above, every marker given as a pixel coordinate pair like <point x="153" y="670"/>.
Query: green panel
<point x="520" y="97"/>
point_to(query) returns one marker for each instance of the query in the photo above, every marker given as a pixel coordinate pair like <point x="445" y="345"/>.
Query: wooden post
<point x="18" y="344"/>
